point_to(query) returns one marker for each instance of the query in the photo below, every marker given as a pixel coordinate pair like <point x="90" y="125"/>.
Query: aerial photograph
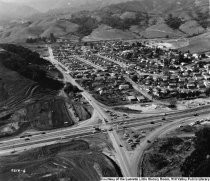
<point x="102" y="89"/>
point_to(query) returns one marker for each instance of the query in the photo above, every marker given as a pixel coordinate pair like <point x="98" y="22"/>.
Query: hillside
<point x="140" y="18"/>
<point x="29" y="88"/>
<point x="48" y="6"/>
<point x="76" y="160"/>
<point x="43" y="28"/>
<point x="199" y="43"/>
<point x="13" y="11"/>
<point x="104" y="32"/>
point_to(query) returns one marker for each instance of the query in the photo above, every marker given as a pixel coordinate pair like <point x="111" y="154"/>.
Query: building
<point x="131" y="98"/>
<point x="124" y="87"/>
<point x="141" y="98"/>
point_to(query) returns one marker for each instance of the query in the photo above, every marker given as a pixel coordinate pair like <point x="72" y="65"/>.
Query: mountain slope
<point x="39" y="28"/>
<point x="10" y="11"/>
<point x="144" y="18"/>
<point x="61" y="5"/>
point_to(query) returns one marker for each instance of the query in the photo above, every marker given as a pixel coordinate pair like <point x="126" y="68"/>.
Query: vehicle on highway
<point x="63" y="137"/>
<point x="152" y="122"/>
<point x="148" y="141"/>
<point x="163" y="118"/>
<point x="43" y="133"/>
<point x="97" y="128"/>
<point x="24" y="136"/>
<point x="196" y="114"/>
<point x="27" y="139"/>
<point x="121" y="145"/>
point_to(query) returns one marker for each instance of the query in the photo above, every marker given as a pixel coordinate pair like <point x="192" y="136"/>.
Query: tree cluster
<point x="71" y="88"/>
<point x="198" y="163"/>
<point x="36" y="40"/>
<point x="86" y="24"/>
<point x="124" y="24"/>
<point x="173" y="22"/>
<point x="29" y="64"/>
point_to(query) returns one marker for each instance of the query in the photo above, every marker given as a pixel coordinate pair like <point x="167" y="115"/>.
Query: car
<point x="163" y="118"/>
<point x="27" y="139"/>
<point x="43" y="133"/>
<point x="121" y="146"/>
<point x="196" y="114"/>
<point x="148" y="141"/>
<point x="152" y="122"/>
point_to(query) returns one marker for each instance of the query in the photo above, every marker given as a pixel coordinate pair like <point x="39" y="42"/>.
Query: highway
<point x="136" y="161"/>
<point x="35" y="140"/>
<point x="121" y="154"/>
<point x="141" y="122"/>
<point x="128" y="165"/>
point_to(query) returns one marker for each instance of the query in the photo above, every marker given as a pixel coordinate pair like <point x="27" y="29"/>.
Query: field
<point x="74" y="160"/>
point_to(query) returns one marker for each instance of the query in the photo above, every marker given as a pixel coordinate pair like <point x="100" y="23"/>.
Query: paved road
<point x="89" y="63"/>
<point x="128" y="166"/>
<point x="138" y="156"/>
<point x="111" y="60"/>
<point x="45" y="138"/>
<point x="137" y="87"/>
<point x="121" y="154"/>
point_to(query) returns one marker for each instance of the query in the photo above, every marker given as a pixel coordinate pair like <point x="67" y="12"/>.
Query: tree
<point x="52" y="38"/>
<point x="172" y="103"/>
<point x="173" y="22"/>
<point x="198" y="163"/>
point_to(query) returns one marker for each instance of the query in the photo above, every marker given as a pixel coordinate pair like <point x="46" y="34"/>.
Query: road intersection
<point x="129" y="166"/>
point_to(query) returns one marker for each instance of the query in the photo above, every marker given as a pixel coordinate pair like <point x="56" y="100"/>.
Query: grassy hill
<point x="42" y="28"/>
<point x="161" y="31"/>
<point x="199" y="43"/>
<point x="147" y="18"/>
<point x="11" y="11"/>
<point x="104" y="32"/>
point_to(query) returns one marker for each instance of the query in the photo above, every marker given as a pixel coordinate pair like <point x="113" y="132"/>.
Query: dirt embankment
<point x="166" y="156"/>
<point x="67" y="161"/>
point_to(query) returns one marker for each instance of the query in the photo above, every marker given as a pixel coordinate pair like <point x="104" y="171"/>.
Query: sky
<point x="16" y="1"/>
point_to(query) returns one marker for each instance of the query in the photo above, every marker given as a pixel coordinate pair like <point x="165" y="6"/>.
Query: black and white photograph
<point x="104" y="90"/>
